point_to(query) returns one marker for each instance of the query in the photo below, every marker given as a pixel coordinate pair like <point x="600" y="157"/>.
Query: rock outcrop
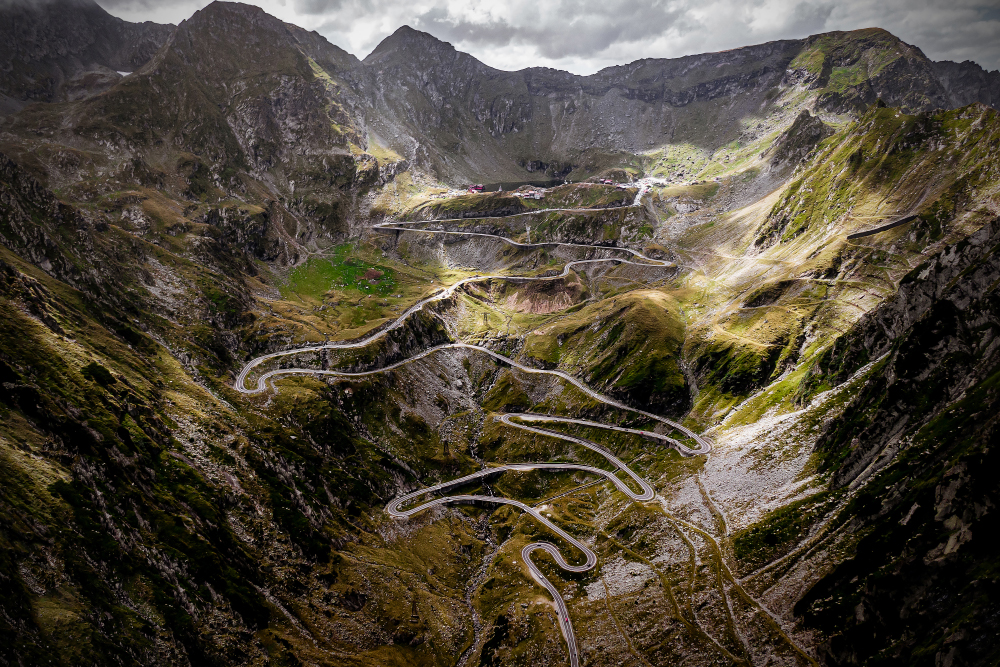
<point x="926" y="423"/>
<point x="967" y="82"/>
<point x="458" y="117"/>
<point x="64" y="49"/>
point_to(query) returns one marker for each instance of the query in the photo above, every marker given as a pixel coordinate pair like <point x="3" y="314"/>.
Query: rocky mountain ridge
<point x="67" y="49"/>
<point x="551" y="121"/>
<point x="925" y="419"/>
<point x="967" y="82"/>
<point x="463" y="120"/>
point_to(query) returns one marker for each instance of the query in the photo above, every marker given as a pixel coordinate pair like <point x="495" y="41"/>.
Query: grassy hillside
<point x="627" y="345"/>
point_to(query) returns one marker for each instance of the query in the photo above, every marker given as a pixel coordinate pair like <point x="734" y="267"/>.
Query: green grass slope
<point x="627" y="346"/>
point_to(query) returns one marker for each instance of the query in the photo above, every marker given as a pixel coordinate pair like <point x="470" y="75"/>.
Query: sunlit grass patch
<point x="343" y="271"/>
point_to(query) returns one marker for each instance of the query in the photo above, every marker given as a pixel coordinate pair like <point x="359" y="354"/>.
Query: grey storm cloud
<point x="584" y="28"/>
<point x="318" y="7"/>
<point x="586" y="35"/>
<point x="806" y="18"/>
<point x="134" y="5"/>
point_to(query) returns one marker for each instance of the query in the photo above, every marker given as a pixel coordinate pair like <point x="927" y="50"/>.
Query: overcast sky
<point x="583" y="36"/>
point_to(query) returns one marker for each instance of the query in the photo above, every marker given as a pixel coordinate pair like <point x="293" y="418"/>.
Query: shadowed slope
<point x="66" y="49"/>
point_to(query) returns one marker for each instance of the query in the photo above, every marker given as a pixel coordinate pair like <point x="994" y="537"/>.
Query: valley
<point x="277" y="389"/>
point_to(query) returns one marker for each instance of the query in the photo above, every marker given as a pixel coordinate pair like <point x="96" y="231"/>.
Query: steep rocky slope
<point x="920" y="587"/>
<point x="852" y="421"/>
<point x="967" y="82"/>
<point x="462" y="118"/>
<point x="67" y="49"/>
<point x="251" y="127"/>
<point x="132" y="486"/>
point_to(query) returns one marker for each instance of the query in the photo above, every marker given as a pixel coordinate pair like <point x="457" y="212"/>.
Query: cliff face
<point x="277" y="107"/>
<point x="448" y="113"/>
<point x="61" y="49"/>
<point x="458" y="117"/>
<point x="235" y="102"/>
<point x="938" y="332"/>
<point x="967" y="82"/>
<point x="924" y="428"/>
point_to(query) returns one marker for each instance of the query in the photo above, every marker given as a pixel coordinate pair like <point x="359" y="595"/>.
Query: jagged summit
<point x="967" y="82"/>
<point x="411" y="48"/>
<point x="406" y="38"/>
<point x="461" y="120"/>
<point x="228" y="39"/>
<point x="67" y="49"/>
<point x="233" y="92"/>
<point x="245" y="37"/>
<point x="233" y="15"/>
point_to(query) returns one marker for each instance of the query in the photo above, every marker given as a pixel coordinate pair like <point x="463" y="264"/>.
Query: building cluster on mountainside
<point x="529" y="194"/>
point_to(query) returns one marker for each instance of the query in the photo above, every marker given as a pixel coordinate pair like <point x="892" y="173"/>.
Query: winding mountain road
<point x="396" y="508"/>
<point x="397" y="226"/>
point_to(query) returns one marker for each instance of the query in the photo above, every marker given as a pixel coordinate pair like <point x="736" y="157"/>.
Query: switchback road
<point x="396" y="508"/>
<point x="398" y="226"/>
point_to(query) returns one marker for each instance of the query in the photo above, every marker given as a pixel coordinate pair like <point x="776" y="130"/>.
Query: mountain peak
<point x="226" y="40"/>
<point x="44" y="46"/>
<point x="239" y="13"/>
<point x="220" y="7"/>
<point x="407" y="40"/>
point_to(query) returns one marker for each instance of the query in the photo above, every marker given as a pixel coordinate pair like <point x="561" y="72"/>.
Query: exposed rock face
<point x="932" y="311"/>
<point x="858" y="68"/>
<point x="450" y="113"/>
<point x="967" y="82"/>
<point x="31" y="216"/>
<point x="254" y="116"/>
<point x="795" y="144"/>
<point x="62" y="49"/>
<point x="252" y="233"/>
<point x="914" y="593"/>
<point x="446" y="111"/>
<point x="270" y="98"/>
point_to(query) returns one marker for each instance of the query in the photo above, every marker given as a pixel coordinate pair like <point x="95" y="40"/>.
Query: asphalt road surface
<point x="649" y="261"/>
<point x="395" y="508"/>
<point x="520" y="421"/>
